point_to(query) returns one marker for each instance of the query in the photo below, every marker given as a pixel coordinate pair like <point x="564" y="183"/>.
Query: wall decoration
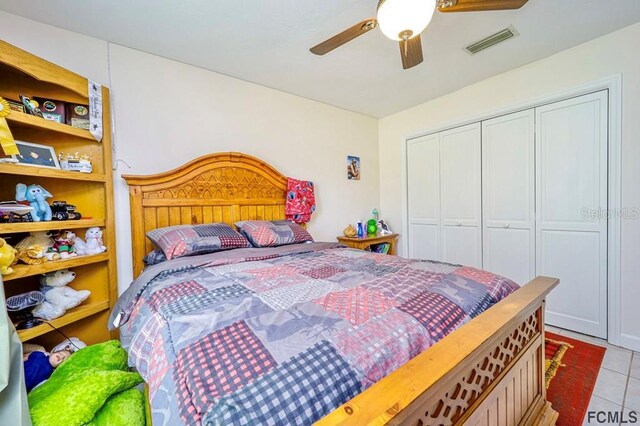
<point x="353" y="167"/>
<point x="32" y="154"/>
<point x="52" y="109"/>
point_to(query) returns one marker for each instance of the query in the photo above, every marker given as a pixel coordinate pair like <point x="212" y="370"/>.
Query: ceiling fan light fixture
<point x="404" y="19"/>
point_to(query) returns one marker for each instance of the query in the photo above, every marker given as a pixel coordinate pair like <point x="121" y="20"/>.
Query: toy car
<point x="60" y="210"/>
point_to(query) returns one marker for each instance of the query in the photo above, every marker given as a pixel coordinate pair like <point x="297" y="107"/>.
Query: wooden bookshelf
<point x="72" y="315"/>
<point x="23" y="271"/>
<point x="17" y="119"/>
<point x="92" y="193"/>
<point x="12" y="228"/>
<point x="45" y="172"/>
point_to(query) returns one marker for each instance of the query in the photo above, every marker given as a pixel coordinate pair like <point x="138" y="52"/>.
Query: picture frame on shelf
<point x="36" y="155"/>
<point x="16" y="106"/>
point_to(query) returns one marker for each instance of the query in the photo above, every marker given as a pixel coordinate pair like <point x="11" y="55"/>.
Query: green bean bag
<point x="122" y="409"/>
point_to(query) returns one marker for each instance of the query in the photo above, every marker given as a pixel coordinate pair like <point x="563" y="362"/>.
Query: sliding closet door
<point x="571" y="198"/>
<point x="508" y="196"/>
<point x="423" y="190"/>
<point x="460" y="197"/>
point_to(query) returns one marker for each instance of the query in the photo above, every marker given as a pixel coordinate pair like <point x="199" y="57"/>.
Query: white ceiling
<point x="267" y="42"/>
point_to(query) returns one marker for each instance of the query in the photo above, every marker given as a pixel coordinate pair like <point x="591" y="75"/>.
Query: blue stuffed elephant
<point x="36" y="196"/>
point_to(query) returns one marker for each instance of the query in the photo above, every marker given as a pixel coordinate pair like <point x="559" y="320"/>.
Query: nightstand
<point x="366" y="241"/>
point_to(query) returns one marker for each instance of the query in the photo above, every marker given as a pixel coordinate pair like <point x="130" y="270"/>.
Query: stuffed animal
<point x="36" y="249"/>
<point x="63" y="242"/>
<point x="7" y="257"/>
<point x="58" y="297"/>
<point x="36" y="196"/>
<point x="350" y="231"/>
<point x="93" y="243"/>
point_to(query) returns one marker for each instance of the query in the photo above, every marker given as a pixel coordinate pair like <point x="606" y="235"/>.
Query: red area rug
<point x="571" y="371"/>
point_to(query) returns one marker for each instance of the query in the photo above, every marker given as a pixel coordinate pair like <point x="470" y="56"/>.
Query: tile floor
<point x="618" y="385"/>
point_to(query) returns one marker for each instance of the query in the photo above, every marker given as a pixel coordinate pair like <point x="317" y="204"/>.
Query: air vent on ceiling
<point x="492" y="40"/>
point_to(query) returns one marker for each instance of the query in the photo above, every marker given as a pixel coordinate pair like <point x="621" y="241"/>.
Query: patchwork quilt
<point x="284" y="335"/>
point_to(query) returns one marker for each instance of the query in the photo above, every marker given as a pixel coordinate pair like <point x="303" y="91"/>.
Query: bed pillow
<point x="271" y="234"/>
<point x="154" y="257"/>
<point x="187" y="240"/>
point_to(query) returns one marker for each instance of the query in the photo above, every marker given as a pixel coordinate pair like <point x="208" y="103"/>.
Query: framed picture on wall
<point x="32" y="154"/>
<point x="353" y="167"/>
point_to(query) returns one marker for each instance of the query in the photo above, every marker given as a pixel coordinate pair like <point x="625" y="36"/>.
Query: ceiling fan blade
<point x="344" y="37"/>
<point x="478" y="5"/>
<point x="411" y="52"/>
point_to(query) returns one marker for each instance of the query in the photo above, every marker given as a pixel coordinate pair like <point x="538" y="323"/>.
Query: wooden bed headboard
<point x="224" y="187"/>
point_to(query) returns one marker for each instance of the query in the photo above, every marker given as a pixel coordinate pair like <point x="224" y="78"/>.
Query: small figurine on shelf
<point x="372" y="227"/>
<point x="34" y="249"/>
<point x="32" y="107"/>
<point x="60" y="210"/>
<point x="36" y="196"/>
<point x="93" y="242"/>
<point x="384" y="228"/>
<point x="75" y="162"/>
<point x="7" y="257"/>
<point x="350" y="231"/>
<point x="63" y="244"/>
<point x="58" y="297"/>
<point x="360" y="229"/>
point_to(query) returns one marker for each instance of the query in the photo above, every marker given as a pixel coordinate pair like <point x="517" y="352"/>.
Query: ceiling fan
<point x="404" y="20"/>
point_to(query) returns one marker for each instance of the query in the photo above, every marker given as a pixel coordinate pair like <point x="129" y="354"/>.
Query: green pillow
<point x="80" y="397"/>
<point x="122" y="409"/>
<point x="102" y="356"/>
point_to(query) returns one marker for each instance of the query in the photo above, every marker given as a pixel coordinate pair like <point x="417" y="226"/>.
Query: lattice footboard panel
<point x="448" y="405"/>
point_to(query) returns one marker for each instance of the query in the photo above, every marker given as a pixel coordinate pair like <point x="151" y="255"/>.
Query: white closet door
<point x="460" y="186"/>
<point x="571" y="198"/>
<point x="508" y="196"/>
<point x="423" y="180"/>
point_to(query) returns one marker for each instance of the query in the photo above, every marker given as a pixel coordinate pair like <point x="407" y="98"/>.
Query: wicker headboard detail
<point x="223" y="187"/>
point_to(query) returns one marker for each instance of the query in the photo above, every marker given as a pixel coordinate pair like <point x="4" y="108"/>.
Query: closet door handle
<point x="459" y="224"/>
<point x="505" y="226"/>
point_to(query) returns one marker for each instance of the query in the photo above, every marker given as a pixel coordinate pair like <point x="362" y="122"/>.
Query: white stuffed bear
<point x="93" y="243"/>
<point x="58" y="297"/>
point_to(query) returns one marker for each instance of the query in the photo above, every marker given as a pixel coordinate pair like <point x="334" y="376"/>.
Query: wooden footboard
<point x="488" y="372"/>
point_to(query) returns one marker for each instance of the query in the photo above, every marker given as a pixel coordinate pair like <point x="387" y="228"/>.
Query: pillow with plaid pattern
<point x="154" y="257"/>
<point x="263" y="233"/>
<point x="187" y="240"/>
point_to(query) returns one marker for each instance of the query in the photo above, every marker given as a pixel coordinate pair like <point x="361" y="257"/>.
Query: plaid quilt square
<point x="158" y="365"/>
<point x="143" y="343"/>
<point x="499" y="287"/>
<point x="404" y="284"/>
<point x="175" y="292"/>
<point x="297" y="392"/>
<point x="185" y="305"/>
<point x="285" y="297"/>
<point x="436" y="313"/>
<point x="356" y="305"/>
<point x="218" y="364"/>
<point x="264" y="279"/>
<point x="323" y="272"/>
<point x="382" y="344"/>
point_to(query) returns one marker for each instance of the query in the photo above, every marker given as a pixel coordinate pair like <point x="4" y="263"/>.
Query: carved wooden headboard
<point x="223" y="187"/>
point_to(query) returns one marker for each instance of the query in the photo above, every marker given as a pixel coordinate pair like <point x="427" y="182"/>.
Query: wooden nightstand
<point x="365" y="242"/>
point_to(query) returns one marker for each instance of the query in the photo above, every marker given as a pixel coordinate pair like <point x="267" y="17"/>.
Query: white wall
<point x="597" y="59"/>
<point x="167" y="113"/>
